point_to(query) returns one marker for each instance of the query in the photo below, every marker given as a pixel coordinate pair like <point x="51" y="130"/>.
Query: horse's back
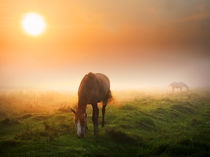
<point x="179" y="85"/>
<point x="182" y="84"/>
<point x="174" y="84"/>
<point x="94" y="87"/>
<point x="103" y="81"/>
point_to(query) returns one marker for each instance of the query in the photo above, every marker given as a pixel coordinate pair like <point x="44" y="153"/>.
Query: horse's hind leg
<point x="95" y="118"/>
<point x="103" y="112"/>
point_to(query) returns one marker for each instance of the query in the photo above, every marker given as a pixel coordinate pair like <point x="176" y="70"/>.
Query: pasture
<point x="136" y="124"/>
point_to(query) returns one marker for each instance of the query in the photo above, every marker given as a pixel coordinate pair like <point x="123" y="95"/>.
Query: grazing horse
<point x="179" y="85"/>
<point x="94" y="88"/>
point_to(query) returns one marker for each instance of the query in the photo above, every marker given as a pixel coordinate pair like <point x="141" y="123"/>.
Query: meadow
<point x="136" y="124"/>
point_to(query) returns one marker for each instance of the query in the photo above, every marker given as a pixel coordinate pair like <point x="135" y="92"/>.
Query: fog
<point x="126" y="70"/>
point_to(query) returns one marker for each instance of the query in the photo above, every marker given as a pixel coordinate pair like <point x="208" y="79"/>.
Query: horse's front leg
<point x="95" y="118"/>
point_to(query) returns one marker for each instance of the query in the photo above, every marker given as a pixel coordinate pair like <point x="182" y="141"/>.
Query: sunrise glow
<point x="33" y="24"/>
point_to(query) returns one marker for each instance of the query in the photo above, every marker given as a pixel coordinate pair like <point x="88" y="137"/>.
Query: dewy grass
<point x="154" y="125"/>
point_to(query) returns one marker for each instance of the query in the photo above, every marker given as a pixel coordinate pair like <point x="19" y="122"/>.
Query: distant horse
<point x="94" y="88"/>
<point x="178" y="85"/>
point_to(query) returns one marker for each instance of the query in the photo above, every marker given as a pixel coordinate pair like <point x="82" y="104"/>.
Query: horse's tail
<point x="109" y="96"/>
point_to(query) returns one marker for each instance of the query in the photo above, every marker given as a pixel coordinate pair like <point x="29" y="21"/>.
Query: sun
<point x="33" y="24"/>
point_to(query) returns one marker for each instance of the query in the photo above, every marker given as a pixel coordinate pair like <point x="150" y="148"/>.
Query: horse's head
<point x="81" y="123"/>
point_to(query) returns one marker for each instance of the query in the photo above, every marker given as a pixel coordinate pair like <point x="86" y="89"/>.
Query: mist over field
<point x="140" y="70"/>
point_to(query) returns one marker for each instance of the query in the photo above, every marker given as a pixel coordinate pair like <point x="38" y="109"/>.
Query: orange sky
<point x="136" y="43"/>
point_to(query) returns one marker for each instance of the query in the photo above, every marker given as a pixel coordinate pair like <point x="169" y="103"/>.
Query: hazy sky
<point x="137" y="43"/>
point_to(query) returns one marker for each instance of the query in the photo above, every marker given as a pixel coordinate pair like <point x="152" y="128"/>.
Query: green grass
<point x="155" y="125"/>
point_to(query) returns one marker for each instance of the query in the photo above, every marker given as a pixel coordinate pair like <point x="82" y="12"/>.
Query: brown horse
<point x="94" y="88"/>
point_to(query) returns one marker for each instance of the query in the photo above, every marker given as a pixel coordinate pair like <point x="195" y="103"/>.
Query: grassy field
<point x="141" y="125"/>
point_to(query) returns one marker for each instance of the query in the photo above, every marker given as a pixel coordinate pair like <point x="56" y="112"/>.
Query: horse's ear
<point x="72" y="110"/>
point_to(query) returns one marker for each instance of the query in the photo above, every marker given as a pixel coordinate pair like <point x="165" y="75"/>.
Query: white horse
<point x="178" y="85"/>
